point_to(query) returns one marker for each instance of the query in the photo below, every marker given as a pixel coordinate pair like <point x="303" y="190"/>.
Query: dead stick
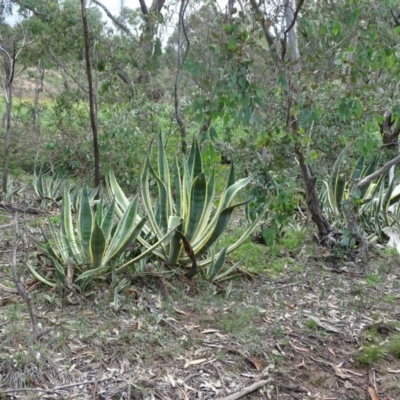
<point x="20" y="287"/>
<point x="54" y="389"/>
<point x="245" y="391"/>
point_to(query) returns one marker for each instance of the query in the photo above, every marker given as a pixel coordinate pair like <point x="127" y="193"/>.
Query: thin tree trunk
<point x="291" y="13"/>
<point x="38" y="90"/>
<point x="92" y="99"/>
<point x="7" y="87"/>
<point x="181" y="60"/>
<point x="323" y="225"/>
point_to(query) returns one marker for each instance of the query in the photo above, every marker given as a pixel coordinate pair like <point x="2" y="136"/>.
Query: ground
<point x="322" y="327"/>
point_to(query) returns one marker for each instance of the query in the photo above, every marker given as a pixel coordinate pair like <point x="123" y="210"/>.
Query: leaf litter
<point x="294" y="336"/>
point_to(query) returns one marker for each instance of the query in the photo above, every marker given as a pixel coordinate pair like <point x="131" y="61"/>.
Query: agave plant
<point x="186" y="204"/>
<point x="93" y="245"/>
<point x="48" y="188"/>
<point x="214" y="271"/>
<point x="373" y="202"/>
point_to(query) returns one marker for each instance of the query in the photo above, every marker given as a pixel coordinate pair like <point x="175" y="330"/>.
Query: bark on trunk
<point x="181" y="60"/>
<point x="323" y="225"/>
<point x="7" y="86"/>
<point x="38" y="90"/>
<point x="92" y="99"/>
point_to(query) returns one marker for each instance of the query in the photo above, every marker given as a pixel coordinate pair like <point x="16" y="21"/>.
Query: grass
<point x="261" y="258"/>
<point x="393" y="346"/>
<point x="311" y="325"/>
<point x="257" y="255"/>
<point x="369" y="356"/>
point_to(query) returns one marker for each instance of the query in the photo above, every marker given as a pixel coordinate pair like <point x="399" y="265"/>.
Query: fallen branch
<point x="29" y="210"/>
<point x="54" y="389"/>
<point x="20" y="287"/>
<point x="245" y="391"/>
<point x="7" y="289"/>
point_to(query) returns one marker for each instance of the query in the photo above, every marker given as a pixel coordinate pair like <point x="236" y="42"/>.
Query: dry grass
<point x="196" y="343"/>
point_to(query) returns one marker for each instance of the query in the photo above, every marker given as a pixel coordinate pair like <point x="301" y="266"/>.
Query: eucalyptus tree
<point x="332" y="72"/>
<point x="148" y="48"/>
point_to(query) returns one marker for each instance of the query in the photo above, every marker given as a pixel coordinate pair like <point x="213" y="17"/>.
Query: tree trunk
<point x="181" y="60"/>
<point x="92" y="99"/>
<point x="151" y="17"/>
<point x="38" y="90"/>
<point x="7" y="86"/>
<point x="323" y="225"/>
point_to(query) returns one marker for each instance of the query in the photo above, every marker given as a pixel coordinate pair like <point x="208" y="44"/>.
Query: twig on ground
<point x="245" y="391"/>
<point x="296" y="389"/>
<point x="29" y="210"/>
<point x="244" y="356"/>
<point x="372" y="389"/>
<point x="7" y="289"/>
<point x="18" y="284"/>
<point x="56" y="388"/>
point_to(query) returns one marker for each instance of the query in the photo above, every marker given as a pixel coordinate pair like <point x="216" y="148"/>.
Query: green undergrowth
<point x="381" y="342"/>
<point x="260" y="258"/>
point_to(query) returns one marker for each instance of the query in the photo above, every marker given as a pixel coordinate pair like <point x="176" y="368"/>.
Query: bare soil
<point x="295" y="336"/>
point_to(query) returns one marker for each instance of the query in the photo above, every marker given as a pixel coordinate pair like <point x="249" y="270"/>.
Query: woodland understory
<point x="200" y="200"/>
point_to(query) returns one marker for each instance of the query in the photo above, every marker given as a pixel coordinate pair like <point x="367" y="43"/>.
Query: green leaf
<point x="337" y="184"/>
<point x="97" y="246"/>
<point x="216" y="266"/>
<point x="358" y="169"/>
<point x="85" y="221"/>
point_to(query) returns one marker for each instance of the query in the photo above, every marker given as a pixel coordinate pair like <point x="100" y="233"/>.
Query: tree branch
<point x="143" y="6"/>
<point x="265" y="24"/>
<point x="396" y="18"/>
<point x="378" y="173"/>
<point x="113" y="19"/>
<point x="294" y="17"/>
<point x="20" y="287"/>
<point x="32" y="9"/>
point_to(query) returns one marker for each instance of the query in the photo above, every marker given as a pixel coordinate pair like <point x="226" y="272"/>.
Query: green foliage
<point x="126" y="129"/>
<point x="93" y="245"/>
<point x="311" y="324"/>
<point x="394" y="346"/>
<point x="12" y="191"/>
<point x="214" y="271"/>
<point x="187" y="205"/>
<point x="369" y="355"/>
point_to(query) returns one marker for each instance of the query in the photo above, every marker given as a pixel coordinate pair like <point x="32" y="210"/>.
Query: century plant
<point x="188" y="204"/>
<point x="93" y="245"/>
<point x="49" y="188"/>
<point x="372" y="202"/>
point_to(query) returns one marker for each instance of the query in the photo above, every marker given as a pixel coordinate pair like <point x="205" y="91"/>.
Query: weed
<point x="293" y="240"/>
<point x="394" y="346"/>
<point x="4" y="218"/>
<point x="297" y="269"/>
<point x="240" y="322"/>
<point x="357" y="289"/>
<point x="376" y="316"/>
<point x="317" y="382"/>
<point x="278" y="265"/>
<point x="278" y="332"/>
<point x="311" y="324"/>
<point x="255" y="253"/>
<point x="55" y="219"/>
<point x="372" y="335"/>
<point x="390" y="298"/>
<point x="372" y="280"/>
<point x="369" y="355"/>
